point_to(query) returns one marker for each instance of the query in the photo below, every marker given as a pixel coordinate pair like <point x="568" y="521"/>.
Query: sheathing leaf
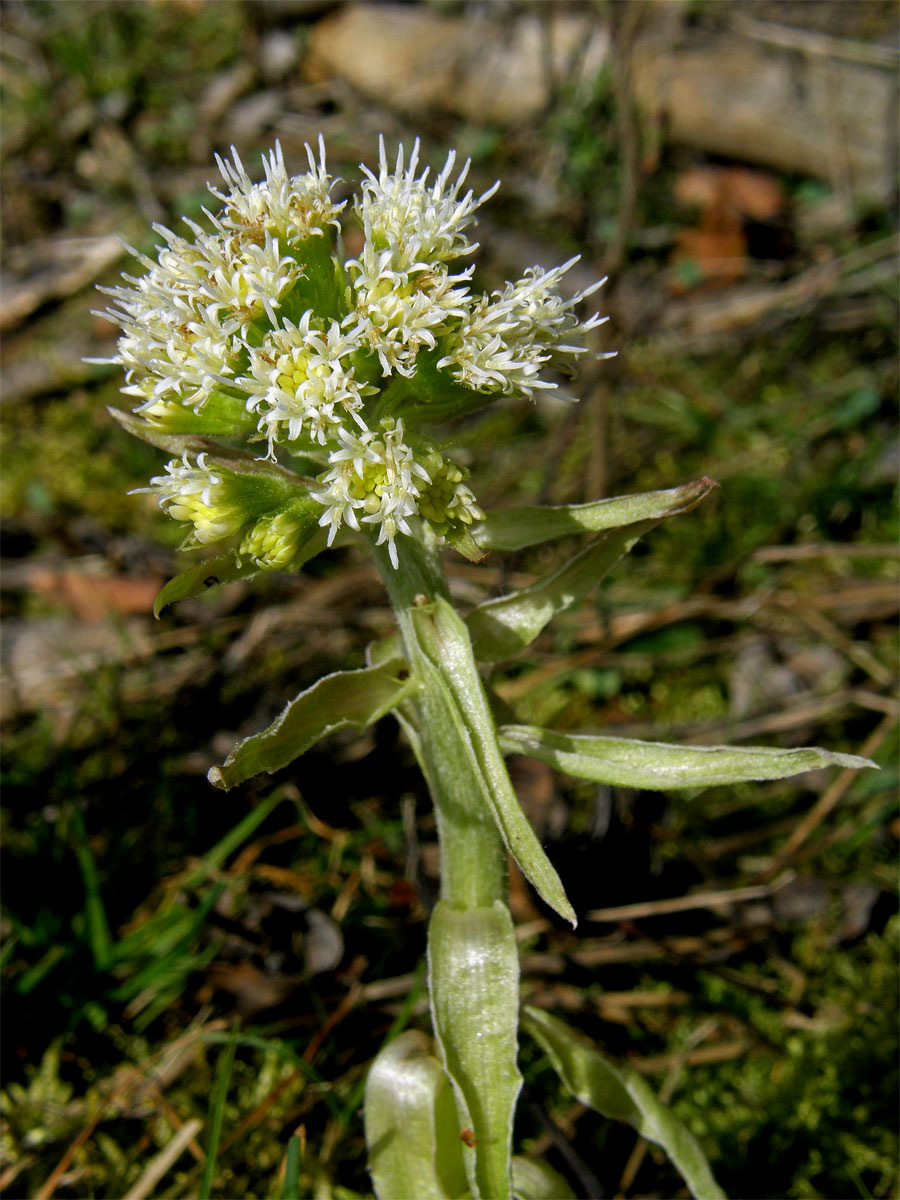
<point x="412" y="1130"/>
<point x="195" y="426"/>
<point x="226" y="568"/>
<point x="516" y="528"/>
<point x="221" y="568"/>
<point x="503" y="627"/>
<point x="620" y="1093"/>
<point x="451" y="680"/>
<point x="473" y="965"/>
<point x="533" y="1179"/>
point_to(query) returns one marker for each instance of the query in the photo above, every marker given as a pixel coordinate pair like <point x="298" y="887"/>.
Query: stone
<point x="413" y="59"/>
<point x="807" y="114"/>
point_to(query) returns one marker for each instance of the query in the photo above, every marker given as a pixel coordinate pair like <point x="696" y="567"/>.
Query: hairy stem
<point x="473" y="857"/>
<point x="472" y="955"/>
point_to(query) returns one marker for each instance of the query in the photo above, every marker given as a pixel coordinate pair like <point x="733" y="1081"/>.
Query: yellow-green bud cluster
<point x="274" y="541"/>
<point x="447" y="503"/>
<point x="212" y="522"/>
<point x="216" y="501"/>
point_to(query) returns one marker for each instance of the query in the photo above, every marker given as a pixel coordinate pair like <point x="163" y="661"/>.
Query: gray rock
<point x="414" y="59"/>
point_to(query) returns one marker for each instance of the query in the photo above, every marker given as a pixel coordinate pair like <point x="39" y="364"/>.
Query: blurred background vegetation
<point x="192" y="977"/>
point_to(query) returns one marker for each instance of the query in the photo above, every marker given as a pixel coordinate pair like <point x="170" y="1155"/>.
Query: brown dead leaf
<point x="755" y="194"/>
<point x="720" y="256"/>
<point x="91" y="597"/>
<point x="716" y="190"/>
<point x="727" y="197"/>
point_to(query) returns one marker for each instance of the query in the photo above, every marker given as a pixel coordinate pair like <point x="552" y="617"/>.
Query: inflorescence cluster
<point x="263" y="331"/>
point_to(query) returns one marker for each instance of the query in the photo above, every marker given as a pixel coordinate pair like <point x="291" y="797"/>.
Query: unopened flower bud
<point x="275" y="540"/>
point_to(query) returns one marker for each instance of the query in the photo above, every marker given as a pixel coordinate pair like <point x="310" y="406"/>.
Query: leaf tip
<point x="216" y="778"/>
<point x="566" y="911"/>
<point x="698" y="491"/>
<point x="855" y="762"/>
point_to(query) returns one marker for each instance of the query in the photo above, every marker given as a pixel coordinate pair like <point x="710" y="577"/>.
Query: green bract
<point x="294" y="389"/>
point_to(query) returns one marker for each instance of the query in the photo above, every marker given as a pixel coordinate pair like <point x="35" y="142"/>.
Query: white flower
<point x="540" y="314"/>
<point x="488" y="358"/>
<point x="301" y="382"/>
<point x="418" y="222"/>
<point x="374" y="480"/>
<point x="198" y="495"/>
<point x="246" y="329"/>
<point x="250" y="278"/>
<point x="293" y="207"/>
<point x="504" y="341"/>
<point x="174" y="353"/>
<point x="398" y="310"/>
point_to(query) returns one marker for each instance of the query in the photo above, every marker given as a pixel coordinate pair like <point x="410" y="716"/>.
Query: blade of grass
<point x="230" y="842"/>
<point x="290" y="1188"/>
<point x="217" y="1116"/>
<point x="167" y="955"/>
<point x="95" y="913"/>
<point x="42" y="967"/>
<point x="274" y="1046"/>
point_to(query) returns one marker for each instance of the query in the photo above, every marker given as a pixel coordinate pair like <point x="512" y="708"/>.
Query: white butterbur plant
<point x="298" y="392"/>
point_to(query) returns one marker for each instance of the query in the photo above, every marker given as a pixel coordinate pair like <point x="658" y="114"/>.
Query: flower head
<point x="418" y="222"/>
<point x="293" y="207"/>
<point x="201" y="497"/>
<point x="256" y="328"/>
<point x="301" y="381"/>
<point x="374" y="480"/>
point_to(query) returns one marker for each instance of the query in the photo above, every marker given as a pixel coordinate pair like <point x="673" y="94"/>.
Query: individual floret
<point x="374" y="480"/>
<point x="292" y="208"/>
<point x="418" y="222"/>
<point x="301" y="382"/>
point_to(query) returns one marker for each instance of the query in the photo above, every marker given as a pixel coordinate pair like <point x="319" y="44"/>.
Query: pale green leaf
<point x="501" y="628"/>
<point x="164" y="439"/>
<point x="659" y="766"/>
<point x="533" y="1179"/>
<point x="620" y="1093"/>
<point x="453" y="674"/>
<point x="473" y="965"/>
<point x="412" y="1131"/>
<point x="516" y="528"/>
<point x="346" y="698"/>
<point x="221" y="568"/>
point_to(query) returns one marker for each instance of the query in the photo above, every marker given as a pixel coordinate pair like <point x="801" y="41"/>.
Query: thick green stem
<point x="473" y="856"/>
<point x="472" y="954"/>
